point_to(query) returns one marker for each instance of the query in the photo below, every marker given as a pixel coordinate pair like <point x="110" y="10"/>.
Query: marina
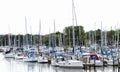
<point x="12" y="65"/>
<point x="52" y="36"/>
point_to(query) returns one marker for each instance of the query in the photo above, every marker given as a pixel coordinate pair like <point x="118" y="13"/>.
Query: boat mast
<point x="40" y="38"/>
<point x="49" y="38"/>
<point x="15" y="41"/>
<point x="9" y="41"/>
<point x="60" y="40"/>
<point x="26" y="31"/>
<point x="89" y="37"/>
<point x="95" y="37"/>
<point x="18" y="40"/>
<point x="101" y="36"/>
<point x="118" y="42"/>
<point x="105" y="38"/>
<point x="54" y="35"/>
<point x="73" y="33"/>
<point x="31" y="40"/>
<point x="23" y="41"/>
<point x="79" y="36"/>
<point x="69" y="39"/>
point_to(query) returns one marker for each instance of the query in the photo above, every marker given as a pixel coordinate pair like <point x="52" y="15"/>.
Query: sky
<point x="90" y="14"/>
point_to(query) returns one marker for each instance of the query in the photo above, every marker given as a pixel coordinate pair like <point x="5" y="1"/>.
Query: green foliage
<point x="64" y="39"/>
<point x="79" y="35"/>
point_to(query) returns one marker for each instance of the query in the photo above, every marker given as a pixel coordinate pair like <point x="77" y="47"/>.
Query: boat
<point x="29" y="50"/>
<point x="42" y="59"/>
<point x="56" y="59"/>
<point x="111" y="56"/>
<point x="71" y="64"/>
<point x="19" y="56"/>
<point x="43" y="55"/>
<point x="19" y="53"/>
<point x="30" y="57"/>
<point x="92" y="59"/>
<point x="54" y="62"/>
<point x="8" y="53"/>
<point x="112" y="62"/>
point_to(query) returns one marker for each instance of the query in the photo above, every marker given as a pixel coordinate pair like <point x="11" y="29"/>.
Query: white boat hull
<point x="54" y="63"/>
<point x="42" y="60"/>
<point x="71" y="63"/>
<point x="19" y="57"/>
<point x="97" y="63"/>
<point x="110" y="62"/>
<point x="9" y="55"/>
<point x="30" y="59"/>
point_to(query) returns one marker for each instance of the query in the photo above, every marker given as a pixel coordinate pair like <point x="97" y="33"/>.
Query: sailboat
<point x="93" y="58"/>
<point x="9" y="53"/>
<point x="112" y="58"/>
<point x="19" y="53"/>
<point x="42" y="58"/>
<point x="73" y="62"/>
<point x="29" y="51"/>
<point x="54" y="60"/>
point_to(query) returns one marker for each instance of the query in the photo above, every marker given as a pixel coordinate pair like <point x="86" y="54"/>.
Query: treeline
<point x="65" y="38"/>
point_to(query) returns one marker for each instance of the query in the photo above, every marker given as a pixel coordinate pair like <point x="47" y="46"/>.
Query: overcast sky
<point x="89" y="13"/>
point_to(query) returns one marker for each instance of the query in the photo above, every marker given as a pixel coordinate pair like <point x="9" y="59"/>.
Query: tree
<point x="79" y="35"/>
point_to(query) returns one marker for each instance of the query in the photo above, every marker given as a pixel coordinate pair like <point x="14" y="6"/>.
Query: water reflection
<point x="12" y="65"/>
<point x="31" y="67"/>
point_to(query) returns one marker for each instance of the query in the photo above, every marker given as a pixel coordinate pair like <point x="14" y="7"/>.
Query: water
<point x="11" y="65"/>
